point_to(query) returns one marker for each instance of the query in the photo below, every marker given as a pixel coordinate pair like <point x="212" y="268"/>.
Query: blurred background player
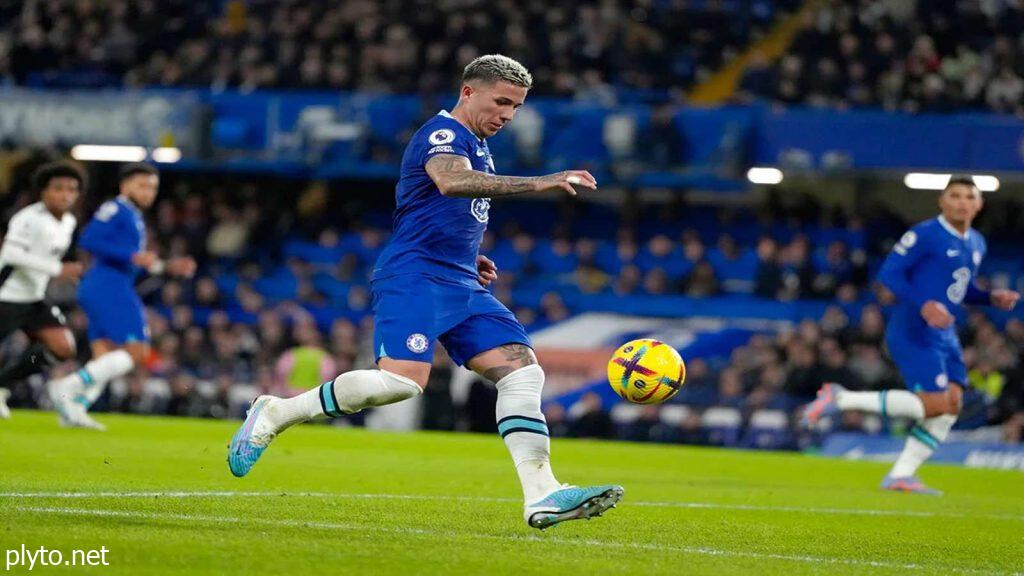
<point x="429" y="283"/>
<point x="118" y="335"/>
<point x="930" y="272"/>
<point x="37" y="238"/>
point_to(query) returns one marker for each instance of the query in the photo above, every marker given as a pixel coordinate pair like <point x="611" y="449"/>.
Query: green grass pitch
<point x="345" y="501"/>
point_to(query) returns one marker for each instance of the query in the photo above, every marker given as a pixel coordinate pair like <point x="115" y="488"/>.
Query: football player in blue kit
<point x="118" y="335"/>
<point x="430" y="283"/>
<point x="930" y="272"/>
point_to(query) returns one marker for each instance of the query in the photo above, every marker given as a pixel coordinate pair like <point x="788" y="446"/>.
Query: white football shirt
<point x="32" y="251"/>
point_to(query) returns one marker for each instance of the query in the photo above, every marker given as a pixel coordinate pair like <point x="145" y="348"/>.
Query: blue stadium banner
<point x="854" y="446"/>
<point x="880" y="140"/>
<point x="151" y="118"/>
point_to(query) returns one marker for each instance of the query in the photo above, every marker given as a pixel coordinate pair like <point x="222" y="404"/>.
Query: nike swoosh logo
<point x="479" y="152"/>
<point x="952" y="253"/>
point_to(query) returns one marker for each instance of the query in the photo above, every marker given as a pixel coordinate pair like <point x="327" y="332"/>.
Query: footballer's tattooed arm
<point x="455" y="177"/>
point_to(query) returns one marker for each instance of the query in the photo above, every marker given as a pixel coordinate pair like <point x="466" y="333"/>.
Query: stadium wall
<point x="326" y="134"/>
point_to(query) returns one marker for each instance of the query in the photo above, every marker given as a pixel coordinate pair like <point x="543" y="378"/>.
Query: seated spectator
<point x="662" y="254"/>
<point x="834" y="322"/>
<point x="986" y="379"/>
<point x="661" y="141"/>
<point x="613" y="259"/>
<point x="767" y="392"/>
<point x="515" y="257"/>
<point x="870" y="367"/>
<point x="798" y="271"/>
<point x="307" y="364"/>
<point x="627" y="282"/>
<point x="701" y="282"/>
<point x="832" y="269"/>
<point x="834" y="365"/>
<point x="558" y="424"/>
<point x="870" y="331"/>
<point x="555" y="257"/>
<point x="656" y="282"/>
<point x="553" y="308"/>
<point x="182" y="395"/>
<point x="804" y="377"/>
<point x="768" y="280"/>
<point x="588" y="276"/>
<point x="734" y="268"/>
<point x="590" y="419"/>
<point x="730" y="389"/>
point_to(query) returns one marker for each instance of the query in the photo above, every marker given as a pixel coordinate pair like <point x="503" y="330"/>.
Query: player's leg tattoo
<point x="519" y="380"/>
<point x="512" y="357"/>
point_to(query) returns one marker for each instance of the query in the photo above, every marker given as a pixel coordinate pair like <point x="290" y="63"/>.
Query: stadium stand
<point x="928" y="57"/>
<point x="647" y="47"/>
<point x="274" y="277"/>
<point x="284" y="263"/>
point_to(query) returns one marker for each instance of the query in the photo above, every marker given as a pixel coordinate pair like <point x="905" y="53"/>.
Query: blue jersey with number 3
<point x="434" y="234"/>
<point x="932" y="261"/>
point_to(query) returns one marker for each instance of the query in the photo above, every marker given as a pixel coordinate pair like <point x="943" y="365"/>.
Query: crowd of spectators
<point x="781" y="373"/>
<point x="916" y="56"/>
<point x="281" y="301"/>
<point x="935" y="56"/>
<point x="582" y="48"/>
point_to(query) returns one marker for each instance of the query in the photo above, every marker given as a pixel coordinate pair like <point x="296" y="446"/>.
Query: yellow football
<point x="646" y="371"/>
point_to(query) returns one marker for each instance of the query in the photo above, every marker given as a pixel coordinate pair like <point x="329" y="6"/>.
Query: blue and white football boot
<point x="248" y="444"/>
<point x="571" y="503"/>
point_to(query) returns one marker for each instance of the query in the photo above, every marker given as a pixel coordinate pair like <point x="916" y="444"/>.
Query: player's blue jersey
<point x="433" y="234"/>
<point x="932" y="261"/>
<point x="116" y="232"/>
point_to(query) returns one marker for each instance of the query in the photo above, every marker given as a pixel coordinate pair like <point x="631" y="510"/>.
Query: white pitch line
<point x="427" y="497"/>
<point x="700" y="550"/>
<point x="840" y="511"/>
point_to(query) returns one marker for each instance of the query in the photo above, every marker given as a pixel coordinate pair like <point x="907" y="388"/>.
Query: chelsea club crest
<point x="416" y="343"/>
<point x="479" y="208"/>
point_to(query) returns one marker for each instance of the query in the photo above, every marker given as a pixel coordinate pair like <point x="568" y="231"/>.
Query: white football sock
<point x="522" y="425"/>
<point x="922" y="442"/>
<point x="89" y="382"/>
<point x="347" y="394"/>
<point x="901" y="403"/>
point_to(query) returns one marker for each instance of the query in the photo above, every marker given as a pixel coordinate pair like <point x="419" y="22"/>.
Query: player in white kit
<point x="32" y="253"/>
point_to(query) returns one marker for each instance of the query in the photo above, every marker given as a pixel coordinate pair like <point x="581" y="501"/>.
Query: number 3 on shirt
<point x="958" y="289"/>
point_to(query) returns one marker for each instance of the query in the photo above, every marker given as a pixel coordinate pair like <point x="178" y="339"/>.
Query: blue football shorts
<point x="411" y="311"/>
<point x="114" y="310"/>
<point x="927" y="363"/>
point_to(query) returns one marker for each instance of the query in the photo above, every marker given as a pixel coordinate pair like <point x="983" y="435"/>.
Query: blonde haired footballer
<point x="430" y="284"/>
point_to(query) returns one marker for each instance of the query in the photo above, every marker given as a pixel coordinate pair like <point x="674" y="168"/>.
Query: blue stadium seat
<point x="722" y="426"/>
<point x="767" y="429"/>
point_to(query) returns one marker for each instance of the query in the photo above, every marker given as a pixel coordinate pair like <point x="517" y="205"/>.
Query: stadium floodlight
<point x="96" y="152"/>
<point x="166" y="155"/>
<point x="986" y="183"/>
<point x="764" y="175"/>
<point x="929" y="181"/>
